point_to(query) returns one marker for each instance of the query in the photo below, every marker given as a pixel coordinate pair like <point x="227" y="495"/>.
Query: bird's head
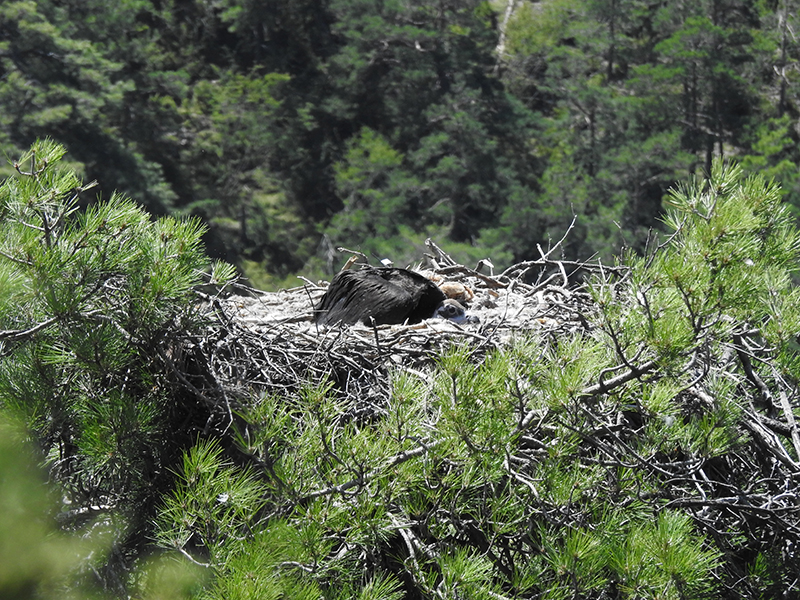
<point x="453" y="311"/>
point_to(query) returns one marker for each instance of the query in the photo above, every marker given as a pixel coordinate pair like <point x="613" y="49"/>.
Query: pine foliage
<point x="651" y="451"/>
<point x="647" y="454"/>
<point x="93" y="305"/>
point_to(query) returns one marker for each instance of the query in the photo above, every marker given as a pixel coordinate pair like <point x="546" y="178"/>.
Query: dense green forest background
<point x="295" y="126"/>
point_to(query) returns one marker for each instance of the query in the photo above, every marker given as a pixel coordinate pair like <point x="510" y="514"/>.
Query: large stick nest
<point x="268" y="341"/>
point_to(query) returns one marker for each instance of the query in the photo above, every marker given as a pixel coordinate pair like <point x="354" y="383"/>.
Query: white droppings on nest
<point x="268" y="309"/>
<point x="267" y="342"/>
<point x="504" y="308"/>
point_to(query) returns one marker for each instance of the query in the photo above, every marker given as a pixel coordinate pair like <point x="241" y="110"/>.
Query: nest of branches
<point x="745" y="499"/>
<point x="267" y="341"/>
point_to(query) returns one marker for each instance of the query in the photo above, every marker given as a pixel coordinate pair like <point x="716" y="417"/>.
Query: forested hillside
<point x="295" y="126"/>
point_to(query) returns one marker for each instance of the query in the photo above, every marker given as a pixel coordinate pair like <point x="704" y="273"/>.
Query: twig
<point x="788" y="412"/>
<point x="367" y="477"/>
<point x="18" y="334"/>
<point x="356" y="252"/>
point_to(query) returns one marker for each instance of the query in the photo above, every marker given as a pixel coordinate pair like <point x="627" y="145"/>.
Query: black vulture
<point x="382" y="296"/>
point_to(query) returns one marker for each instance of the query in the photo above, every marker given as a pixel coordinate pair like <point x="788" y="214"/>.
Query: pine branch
<point x="21" y="334"/>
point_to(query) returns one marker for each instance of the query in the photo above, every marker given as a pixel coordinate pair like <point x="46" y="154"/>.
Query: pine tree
<point x="93" y="305"/>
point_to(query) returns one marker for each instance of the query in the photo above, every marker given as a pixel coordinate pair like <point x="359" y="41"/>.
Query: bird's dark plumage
<point x="380" y="296"/>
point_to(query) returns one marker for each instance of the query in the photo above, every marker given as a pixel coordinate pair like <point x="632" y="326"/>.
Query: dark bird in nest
<point x="383" y="296"/>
